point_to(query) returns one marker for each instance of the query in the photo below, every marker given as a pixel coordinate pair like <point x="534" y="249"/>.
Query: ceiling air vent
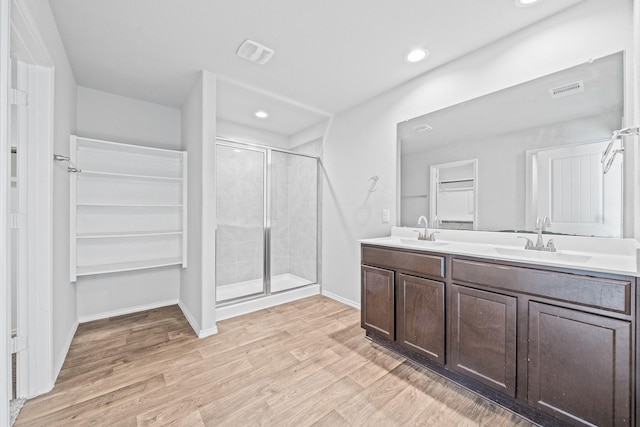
<point x="565" y="90"/>
<point x="254" y="52"/>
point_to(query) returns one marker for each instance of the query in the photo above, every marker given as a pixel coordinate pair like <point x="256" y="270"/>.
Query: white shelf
<point x="126" y="148"/>
<point x="126" y="266"/>
<point x="451" y="181"/>
<point x="113" y="234"/>
<point x="128" y="176"/>
<point x="127" y="203"/>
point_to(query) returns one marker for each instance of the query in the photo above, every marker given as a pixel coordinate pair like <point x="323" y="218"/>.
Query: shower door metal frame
<point x="266" y="150"/>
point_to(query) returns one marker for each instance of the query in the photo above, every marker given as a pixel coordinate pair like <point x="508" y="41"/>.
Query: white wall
<point x="117" y="118"/>
<point x="361" y="142"/>
<point x="197" y="292"/>
<point x="120" y="119"/>
<point x="312" y="133"/>
<point x="242" y="133"/>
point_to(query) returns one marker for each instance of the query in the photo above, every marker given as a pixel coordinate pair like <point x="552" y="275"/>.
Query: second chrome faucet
<point x="541" y="226"/>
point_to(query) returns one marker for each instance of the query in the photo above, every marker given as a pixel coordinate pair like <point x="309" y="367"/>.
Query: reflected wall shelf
<point x="128" y="207"/>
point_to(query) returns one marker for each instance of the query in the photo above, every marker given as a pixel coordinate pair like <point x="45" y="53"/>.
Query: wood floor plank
<point x="332" y="419"/>
<point x="68" y="415"/>
<point x="302" y="363"/>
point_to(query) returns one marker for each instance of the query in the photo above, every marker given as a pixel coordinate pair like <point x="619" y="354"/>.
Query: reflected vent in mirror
<point x="421" y="128"/>
<point x="565" y="90"/>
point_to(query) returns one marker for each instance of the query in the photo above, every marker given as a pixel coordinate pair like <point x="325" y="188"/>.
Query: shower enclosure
<point x="267" y="221"/>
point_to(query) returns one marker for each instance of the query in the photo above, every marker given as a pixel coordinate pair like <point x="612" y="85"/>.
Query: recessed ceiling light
<point x="261" y="114"/>
<point x="416" y="55"/>
<point x="525" y="3"/>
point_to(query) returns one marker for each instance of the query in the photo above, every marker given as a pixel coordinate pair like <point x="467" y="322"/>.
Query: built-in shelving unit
<point x="128" y="207"/>
<point x="454" y="188"/>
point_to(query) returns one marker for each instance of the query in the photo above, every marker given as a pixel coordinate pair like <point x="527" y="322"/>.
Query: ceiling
<point x="329" y="54"/>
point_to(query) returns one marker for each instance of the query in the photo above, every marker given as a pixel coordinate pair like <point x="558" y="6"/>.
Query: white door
<point x="575" y="194"/>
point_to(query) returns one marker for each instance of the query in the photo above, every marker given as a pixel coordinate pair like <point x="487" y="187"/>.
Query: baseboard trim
<point x="341" y="299"/>
<point x="246" y="307"/>
<point x="57" y="367"/>
<point x="208" y="332"/>
<point x="128" y="310"/>
<point x="194" y="323"/>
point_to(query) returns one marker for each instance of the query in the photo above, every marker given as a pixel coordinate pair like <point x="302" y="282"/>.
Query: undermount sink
<point x="411" y="242"/>
<point x="541" y="255"/>
<point x="422" y="243"/>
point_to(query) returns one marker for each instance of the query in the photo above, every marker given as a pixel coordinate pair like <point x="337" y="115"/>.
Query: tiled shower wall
<point x="240" y="206"/>
<point x="239" y="254"/>
<point x="294" y="216"/>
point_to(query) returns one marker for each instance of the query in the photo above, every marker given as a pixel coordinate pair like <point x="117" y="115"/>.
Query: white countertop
<point x="598" y="254"/>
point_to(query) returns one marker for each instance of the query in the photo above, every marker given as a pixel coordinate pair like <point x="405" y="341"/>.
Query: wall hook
<point x="61" y="158"/>
<point x="374" y="184"/>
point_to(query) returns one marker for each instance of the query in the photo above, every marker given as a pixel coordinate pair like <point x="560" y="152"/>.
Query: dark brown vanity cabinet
<point x="378" y="301"/>
<point x="579" y="366"/>
<point x="483" y="337"/>
<point x="557" y="345"/>
<point x="420" y="316"/>
<point x="576" y="359"/>
<point x="402" y="302"/>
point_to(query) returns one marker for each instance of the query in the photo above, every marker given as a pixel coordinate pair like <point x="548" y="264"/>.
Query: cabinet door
<point x="420" y="316"/>
<point x="483" y="337"/>
<point x="579" y="366"/>
<point x="377" y="305"/>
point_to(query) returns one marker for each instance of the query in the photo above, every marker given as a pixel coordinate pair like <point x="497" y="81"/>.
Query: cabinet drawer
<point x="420" y="264"/>
<point x="607" y="294"/>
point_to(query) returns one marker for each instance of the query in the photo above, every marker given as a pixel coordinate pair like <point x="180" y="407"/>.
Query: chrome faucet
<point x="541" y="226"/>
<point x="423" y="235"/>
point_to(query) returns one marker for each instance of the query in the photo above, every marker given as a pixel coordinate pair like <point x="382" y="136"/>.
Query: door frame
<point x="35" y="75"/>
<point x="5" y="190"/>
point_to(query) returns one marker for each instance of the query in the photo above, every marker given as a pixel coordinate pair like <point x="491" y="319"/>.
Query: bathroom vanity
<point x="549" y="338"/>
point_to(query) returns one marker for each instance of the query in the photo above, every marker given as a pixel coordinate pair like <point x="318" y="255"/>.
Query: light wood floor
<point x="299" y="364"/>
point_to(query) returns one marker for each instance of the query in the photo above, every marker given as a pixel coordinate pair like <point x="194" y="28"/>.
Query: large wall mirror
<point x="497" y="162"/>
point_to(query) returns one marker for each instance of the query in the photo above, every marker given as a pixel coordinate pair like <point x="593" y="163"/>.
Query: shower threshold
<point x="279" y="283"/>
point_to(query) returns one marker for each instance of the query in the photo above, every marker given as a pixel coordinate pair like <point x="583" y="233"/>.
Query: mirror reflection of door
<point x="568" y="186"/>
<point x="454" y="195"/>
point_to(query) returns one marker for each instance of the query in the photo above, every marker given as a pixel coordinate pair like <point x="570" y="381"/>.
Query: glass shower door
<point x="293" y="221"/>
<point x="240" y="212"/>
